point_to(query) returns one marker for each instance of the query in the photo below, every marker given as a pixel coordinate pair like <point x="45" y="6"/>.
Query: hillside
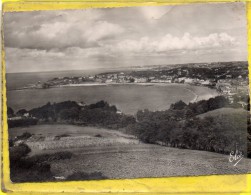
<point x="224" y="111"/>
<point x="113" y="154"/>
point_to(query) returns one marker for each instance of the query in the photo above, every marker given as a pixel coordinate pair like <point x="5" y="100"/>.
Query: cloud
<point x="82" y="29"/>
<point x="33" y="53"/>
<point x="167" y="45"/>
<point x="73" y="39"/>
<point x="147" y="45"/>
<point x="101" y="30"/>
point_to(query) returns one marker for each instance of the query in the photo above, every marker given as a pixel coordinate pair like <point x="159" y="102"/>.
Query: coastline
<point x="189" y="87"/>
<point x="196" y="96"/>
<point x="138" y="95"/>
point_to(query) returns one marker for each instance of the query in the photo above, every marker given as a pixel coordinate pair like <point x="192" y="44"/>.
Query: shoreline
<point x="106" y="84"/>
<point x="197" y="93"/>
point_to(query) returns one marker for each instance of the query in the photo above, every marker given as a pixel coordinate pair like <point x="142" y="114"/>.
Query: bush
<point x="50" y="157"/>
<point x="35" y="168"/>
<point x="24" y="136"/>
<point x="22" y="122"/>
<point x="32" y="173"/>
<point x="57" y="137"/>
<point x="86" y="176"/>
<point x="24" y="170"/>
<point x="10" y="112"/>
<point x="18" y="152"/>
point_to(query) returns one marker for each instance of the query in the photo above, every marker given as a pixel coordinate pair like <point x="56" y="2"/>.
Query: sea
<point x="127" y="98"/>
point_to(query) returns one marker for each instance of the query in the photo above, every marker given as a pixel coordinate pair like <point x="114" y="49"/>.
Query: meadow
<point x="114" y="154"/>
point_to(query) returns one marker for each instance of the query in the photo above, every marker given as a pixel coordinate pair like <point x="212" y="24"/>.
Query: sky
<point x="123" y="37"/>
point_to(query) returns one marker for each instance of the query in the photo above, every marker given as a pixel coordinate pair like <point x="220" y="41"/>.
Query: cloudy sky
<point x="113" y="37"/>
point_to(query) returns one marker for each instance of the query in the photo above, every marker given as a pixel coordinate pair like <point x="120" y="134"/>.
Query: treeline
<point x="20" y="119"/>
<point x="22" y="122"/>
<point x="99" y="114"/>
<point x="182" y="126"/>
<point x="182" y="111"/>
<point x="216" y="134"/>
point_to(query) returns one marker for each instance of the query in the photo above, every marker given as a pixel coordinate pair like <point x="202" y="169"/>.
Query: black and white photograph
<point x="127" y="92"/>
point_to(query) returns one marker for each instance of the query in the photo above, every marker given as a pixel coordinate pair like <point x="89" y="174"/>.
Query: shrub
<point x="50" y="157"/>
<point x="86" y="176"/>
<point x="34" y="173"/>
<point x="18" y="152"/>
<point x="24" y="136"/>
<point x="10" y="112"/>
<point x="35" y="168"/>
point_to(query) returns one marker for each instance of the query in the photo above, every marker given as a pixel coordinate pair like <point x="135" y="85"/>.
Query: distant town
<point x="228" y="78"/>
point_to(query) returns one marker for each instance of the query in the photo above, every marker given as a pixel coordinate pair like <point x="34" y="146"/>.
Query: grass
<point x="77" y="142"/>
<point x="147" y="160"/>
<point x="117" y="155"/>
<point x="60" y="137"/>
<point x="224" y="111"/>
<point x="62" y="129"/>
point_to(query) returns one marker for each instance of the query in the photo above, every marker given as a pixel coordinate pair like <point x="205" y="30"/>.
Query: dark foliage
<point x="69" y="114"/>
<point x="86" y="176"/>
<point x="104" y="118"/>
<point x="33" y="173"/>
<point x="24" y="136"/>
<point x="42" y="158"/>
<point x="22" y="122"/>
<point x="216" y="134"/>
<point x="23" y="170"/>
<point x="178" y="105"/>
<point x="58" y="137"/>
<point x="21" y="112"/>
<point x="179" y="127"/>
<point x="50" y="112"/>
<point x="176" y="127"/>
<point x="18" y="152"/>
<point x="10" y="112"/>
<point x="98" y="114"/>
<point x="32" y="169"/>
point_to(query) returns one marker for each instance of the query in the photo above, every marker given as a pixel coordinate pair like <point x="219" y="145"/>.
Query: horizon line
<point x="141" y="66"/>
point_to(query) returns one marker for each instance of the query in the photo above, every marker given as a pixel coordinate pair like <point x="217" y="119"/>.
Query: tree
<point x="100" y="104"/>
<point x="21" y="112"/>
<point x="131" y="80"/>
<point x="178" y="105"/>
<point x="69" y="114"/>
<point x="45" y="85"/>
<point x="217" y="102"/>
<point x="10" y="112"/>
<point x="18" y="152"/>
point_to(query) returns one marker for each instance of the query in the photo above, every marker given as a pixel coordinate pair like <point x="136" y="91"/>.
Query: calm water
<point x="128" y="98"/>
<point x="18" y="80"/>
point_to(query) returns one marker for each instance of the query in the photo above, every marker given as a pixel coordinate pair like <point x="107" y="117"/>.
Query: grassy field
<point x="225" y="111"/>
<point x="59" y="129"/>
<point x="144" y="160"/>
<point x="117" y="155"/>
